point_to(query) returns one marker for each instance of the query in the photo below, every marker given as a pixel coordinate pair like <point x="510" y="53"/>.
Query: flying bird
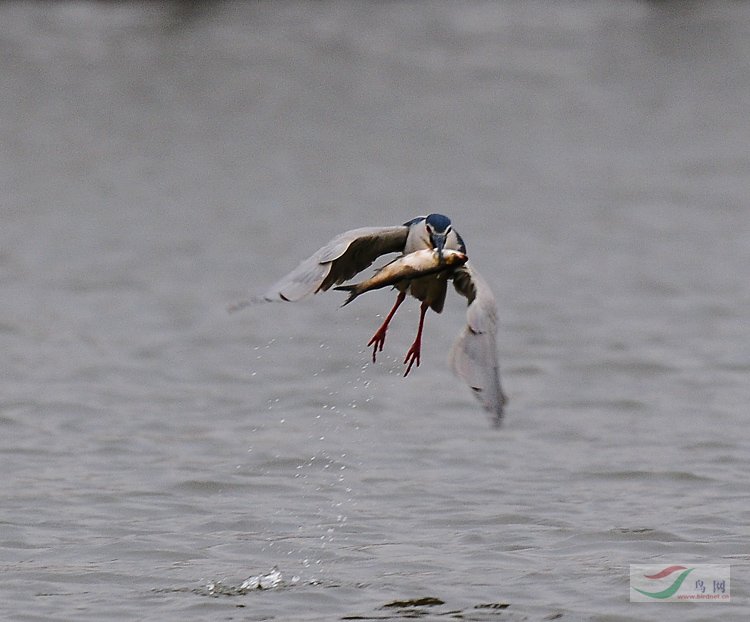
<point x="473" y="356"/>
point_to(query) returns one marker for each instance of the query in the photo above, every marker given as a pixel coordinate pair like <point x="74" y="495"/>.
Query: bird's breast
<point x="430" y="289"/>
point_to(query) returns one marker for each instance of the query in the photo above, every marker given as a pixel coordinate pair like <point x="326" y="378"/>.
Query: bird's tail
<point x="353" y="290"/>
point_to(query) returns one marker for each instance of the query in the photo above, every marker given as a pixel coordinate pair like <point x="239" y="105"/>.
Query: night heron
<point x="474" y="354"/>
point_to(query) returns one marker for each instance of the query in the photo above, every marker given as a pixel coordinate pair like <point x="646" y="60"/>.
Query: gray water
<point x="159" y="162"/>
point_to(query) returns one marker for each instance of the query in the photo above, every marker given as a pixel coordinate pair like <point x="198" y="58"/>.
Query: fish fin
<point x="353" y="292"/>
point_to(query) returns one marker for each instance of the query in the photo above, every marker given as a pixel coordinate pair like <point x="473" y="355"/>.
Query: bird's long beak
<point x="438" y="241"/>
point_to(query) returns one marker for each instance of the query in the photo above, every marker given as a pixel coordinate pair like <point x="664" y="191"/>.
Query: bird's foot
<point x="413" y="356"/>
<point x="377" y="342"/>
<point x="378" y="339"/>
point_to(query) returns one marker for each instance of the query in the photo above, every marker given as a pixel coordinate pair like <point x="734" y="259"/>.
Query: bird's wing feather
<point x="473" y="357"/>
<point x="344" y="256"/>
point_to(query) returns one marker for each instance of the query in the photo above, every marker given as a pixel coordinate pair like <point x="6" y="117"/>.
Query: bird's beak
<point x="438" y="242"/>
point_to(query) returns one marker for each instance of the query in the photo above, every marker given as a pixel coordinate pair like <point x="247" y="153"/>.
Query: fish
<point x="412" y="266"/>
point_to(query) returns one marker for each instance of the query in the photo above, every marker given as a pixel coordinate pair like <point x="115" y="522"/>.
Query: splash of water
<point x="268" y="581"/>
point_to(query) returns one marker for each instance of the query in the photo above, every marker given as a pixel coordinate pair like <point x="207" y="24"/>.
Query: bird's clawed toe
<point x="377" y="342"/>
<point x="412" y="356"/>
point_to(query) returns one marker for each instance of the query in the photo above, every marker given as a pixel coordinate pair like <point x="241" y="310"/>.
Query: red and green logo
<point x="659" y="583"/>
<point x="672" y="589"/>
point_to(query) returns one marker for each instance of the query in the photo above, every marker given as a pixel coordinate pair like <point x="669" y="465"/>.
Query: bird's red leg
<point x="412" y="355"/>
<point x="378" y="339"/>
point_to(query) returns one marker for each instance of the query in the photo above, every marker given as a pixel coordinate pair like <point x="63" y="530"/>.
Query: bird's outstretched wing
<point x="344" y="256"/>
<point x="474" y="354"/>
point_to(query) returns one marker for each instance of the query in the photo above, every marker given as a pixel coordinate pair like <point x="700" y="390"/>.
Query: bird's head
<point x="438" y="227"/>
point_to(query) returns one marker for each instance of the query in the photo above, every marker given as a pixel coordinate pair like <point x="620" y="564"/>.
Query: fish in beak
<point x="412" y="266"/>
<point x="438" y="243"/>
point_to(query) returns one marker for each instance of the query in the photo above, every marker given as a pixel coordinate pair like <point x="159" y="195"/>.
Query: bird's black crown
<point x="438" y="222"/>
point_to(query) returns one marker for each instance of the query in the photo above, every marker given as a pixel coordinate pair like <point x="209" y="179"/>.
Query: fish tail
<point x="353" y="292"/>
